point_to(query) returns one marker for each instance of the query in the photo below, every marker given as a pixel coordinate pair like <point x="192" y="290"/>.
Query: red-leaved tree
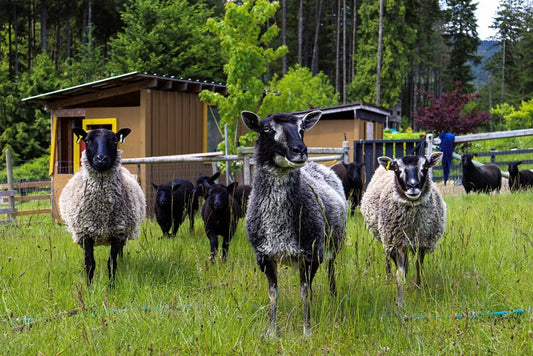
<point x="454" y="112"/>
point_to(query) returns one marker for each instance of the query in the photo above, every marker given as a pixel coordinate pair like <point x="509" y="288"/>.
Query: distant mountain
<point x="486" y="49"/>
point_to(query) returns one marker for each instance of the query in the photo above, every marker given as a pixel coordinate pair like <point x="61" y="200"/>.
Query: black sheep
<point x="352" y="181"/>
<point x="204" y="182"/>
<point x="519" y="179"/>
<point x="242" y="194"/>
<point x="485" y="178"/>
<point x="175" y="200"/>
<point x="221" y="213"/>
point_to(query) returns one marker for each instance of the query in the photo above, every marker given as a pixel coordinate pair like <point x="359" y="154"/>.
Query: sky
<point x="486" y="10"/>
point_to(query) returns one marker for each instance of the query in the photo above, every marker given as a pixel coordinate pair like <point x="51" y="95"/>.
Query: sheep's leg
<point x="307" y="272"/>
<point x="90" y="263"/>
<point x="225" y="246"/>
<point x="213" y="240"/>
<point x="270" y="268"/>
<point x="402" y="262"/>
<point x="116" y="247"/>
<point x="420" y="266"/>
<point x="331" y="276"/>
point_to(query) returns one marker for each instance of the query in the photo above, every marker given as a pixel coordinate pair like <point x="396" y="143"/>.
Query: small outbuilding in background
<point x="167" y="117"/>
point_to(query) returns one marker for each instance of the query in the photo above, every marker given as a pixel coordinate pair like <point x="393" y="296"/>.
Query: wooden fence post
<point x="10" y="184"/>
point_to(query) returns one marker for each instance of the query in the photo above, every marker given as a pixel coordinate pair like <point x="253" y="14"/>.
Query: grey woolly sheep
<point x="404" y="210"/>
<point x="485" y="178"/>
<point x="519" y="179"/>
<point x="297" y="210"/>
<point x="102" y="204"/>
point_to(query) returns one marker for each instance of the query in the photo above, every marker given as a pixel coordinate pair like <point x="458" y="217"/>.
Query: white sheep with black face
<point x="297" y="209"/>
<point x="404" y="210"/>
<point x="102" y="204"/>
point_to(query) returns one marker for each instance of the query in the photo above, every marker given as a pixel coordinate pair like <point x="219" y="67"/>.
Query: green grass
<point x="169" y="299"/>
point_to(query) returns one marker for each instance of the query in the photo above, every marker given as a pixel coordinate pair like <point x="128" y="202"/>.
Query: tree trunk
<point x="314" y="63"/>
<point x="354" y="38"/>
<point x="380" y="49"/>
<point x="344" y="51"/>
<point x="337" y="48"/>
<point x="284" y="34"/>
<point x="300" y="31"/>
<point x="44" y="27"/>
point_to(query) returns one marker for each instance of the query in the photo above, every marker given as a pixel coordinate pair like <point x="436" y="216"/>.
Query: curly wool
<point x="285" y="218"/>
<point x="394" y="220"/>
<point x="102" y="205"/>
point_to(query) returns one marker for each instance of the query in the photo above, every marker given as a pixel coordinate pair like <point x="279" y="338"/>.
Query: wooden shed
<point x="356" y="121"/>
<point x="165" y="115"/>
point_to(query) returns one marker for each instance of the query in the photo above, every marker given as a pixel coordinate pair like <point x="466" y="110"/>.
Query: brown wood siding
<point x="176" y="123"/>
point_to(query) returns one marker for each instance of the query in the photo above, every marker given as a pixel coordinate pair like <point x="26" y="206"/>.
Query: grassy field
<point x="169" y="300"/>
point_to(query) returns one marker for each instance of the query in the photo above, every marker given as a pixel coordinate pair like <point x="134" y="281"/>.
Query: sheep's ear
<point x="155" y="186"/>
<point x="214" y="177"/>
<point x="310" y="119"/>
<point x="80" y="134"/>
<point x="519" y="162"/>
<point x="386" y="162"/>
<point x="434" y="159"/>
<point x="232" y="187"/>
<point x="251" y="120"/>
<point x="121" y="134"/>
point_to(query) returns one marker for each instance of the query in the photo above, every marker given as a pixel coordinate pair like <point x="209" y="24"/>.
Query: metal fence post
<point x="346" y="152"/>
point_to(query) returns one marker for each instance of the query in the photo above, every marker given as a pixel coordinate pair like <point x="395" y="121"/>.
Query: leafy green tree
<point x="298" y="90"/>
<point x="168" y="38"/>
<point x="245" y="39"/>
<point x="463" y="41"/>
<point x="398" y="39"/>
<point x="515" y="119"/>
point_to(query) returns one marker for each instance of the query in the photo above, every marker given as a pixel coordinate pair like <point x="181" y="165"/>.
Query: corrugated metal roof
<point x="155" y="82"/>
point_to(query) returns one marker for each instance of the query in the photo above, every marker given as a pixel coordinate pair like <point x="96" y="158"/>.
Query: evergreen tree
<point x="166" y="38"/>
<point x="398" y="39"/>
<point x="463" y="41"/>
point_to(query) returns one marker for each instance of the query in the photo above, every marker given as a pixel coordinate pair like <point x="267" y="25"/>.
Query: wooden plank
<point x="39" y="184"/>
<point x="493" y="135"/>
<point x="33" y="197"/>
<point x="34" y="211"/>
<point x="8" y="193"/>
<point x="8" y="211"/>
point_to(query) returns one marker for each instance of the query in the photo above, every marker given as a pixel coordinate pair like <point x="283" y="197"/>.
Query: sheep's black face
<point x="411" y="175"/>
<point x="283" y="133"/>
<point x="101" y="149"/>
<point x="280" y="142"/>
<point x="466" y="159"/>
<point x="513" y="168"/>
<point x="163" y="197"/>
<point x="354" y="171"/>
<point x="218" y="197"/>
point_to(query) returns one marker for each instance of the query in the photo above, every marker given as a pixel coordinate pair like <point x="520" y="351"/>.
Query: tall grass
<point x="169" y="299"/>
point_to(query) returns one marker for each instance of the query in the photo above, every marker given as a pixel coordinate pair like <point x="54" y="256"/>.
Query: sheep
<point x="174" y="200"/>
<point x="204" y="182"/>
<point x="297" y="210"/>
<point x="485" y="178"/>
<point x="519" y="179"/>
<point x="404" y="210"/>
<point x="102" y="204"/>
<point x="242" y="195"/>
<point x="221" y="213"/>
<point x="352" y="181"/>
<point x="241" y="192"/>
